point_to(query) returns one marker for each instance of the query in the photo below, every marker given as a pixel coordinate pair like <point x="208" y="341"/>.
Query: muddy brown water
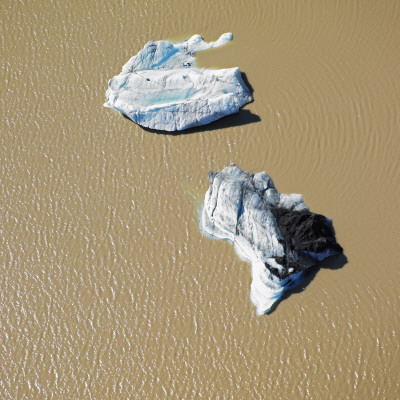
<point x="108" y="289"/>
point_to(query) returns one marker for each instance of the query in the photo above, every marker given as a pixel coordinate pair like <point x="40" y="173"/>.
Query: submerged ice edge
<point x="265" y="289"/>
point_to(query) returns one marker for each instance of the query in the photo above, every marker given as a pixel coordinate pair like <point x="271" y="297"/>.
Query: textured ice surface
<point x="274" y="232"/>
<point x="161" y="88"/>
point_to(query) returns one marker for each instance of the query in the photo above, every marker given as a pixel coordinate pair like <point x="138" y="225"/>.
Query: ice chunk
<point x="274" y="232"/>
<point x="161" y="87"/>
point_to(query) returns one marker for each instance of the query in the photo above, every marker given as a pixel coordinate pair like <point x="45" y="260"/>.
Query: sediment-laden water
<point x="109" y="290"/>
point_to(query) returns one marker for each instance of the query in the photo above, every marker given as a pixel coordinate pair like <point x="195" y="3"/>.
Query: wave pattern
<point x="107" y="287"/>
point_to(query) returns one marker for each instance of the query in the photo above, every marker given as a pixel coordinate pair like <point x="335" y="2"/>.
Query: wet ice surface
<point x="161" y="88"/>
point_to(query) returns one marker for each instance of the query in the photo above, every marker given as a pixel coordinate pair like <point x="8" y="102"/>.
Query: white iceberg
<point x="276" y="233"/>
<point x="161" y="88"/>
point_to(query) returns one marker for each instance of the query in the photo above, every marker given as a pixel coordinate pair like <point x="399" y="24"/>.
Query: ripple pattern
<point x="108" y="289"/>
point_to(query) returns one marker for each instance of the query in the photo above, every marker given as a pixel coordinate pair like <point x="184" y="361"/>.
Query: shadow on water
<point x="243" y="117"/>
<point x="334" y="262"/>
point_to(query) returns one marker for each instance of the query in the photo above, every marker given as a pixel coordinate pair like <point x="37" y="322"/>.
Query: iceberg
<point x="161" y="87"/>
<point x="274" y="232"/>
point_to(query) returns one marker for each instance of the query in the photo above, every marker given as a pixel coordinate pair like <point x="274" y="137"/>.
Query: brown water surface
<point x="108" y="289"/>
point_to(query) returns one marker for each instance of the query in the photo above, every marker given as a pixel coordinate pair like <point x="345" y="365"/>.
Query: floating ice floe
<point x="161" y="88"/>
<point x="276" y="233"/>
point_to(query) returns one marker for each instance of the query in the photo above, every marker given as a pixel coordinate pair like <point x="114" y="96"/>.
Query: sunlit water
<point x="108" y="289"/>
